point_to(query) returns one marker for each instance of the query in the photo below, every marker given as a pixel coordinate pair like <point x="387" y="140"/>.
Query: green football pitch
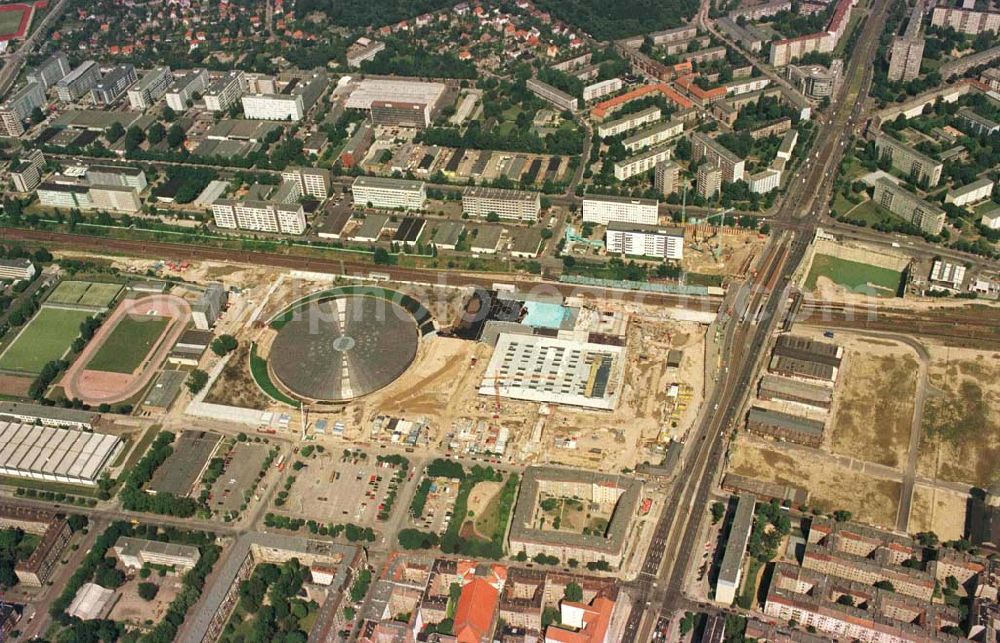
<point x="129" y="342"/>
<point x="858" y="277"/>
<point x="46" y="337"/>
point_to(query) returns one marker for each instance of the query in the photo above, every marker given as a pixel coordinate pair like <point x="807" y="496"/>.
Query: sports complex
<point x="343" y="343"/>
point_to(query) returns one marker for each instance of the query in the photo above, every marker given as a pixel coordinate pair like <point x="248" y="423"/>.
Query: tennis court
<point x="84" y="293"/>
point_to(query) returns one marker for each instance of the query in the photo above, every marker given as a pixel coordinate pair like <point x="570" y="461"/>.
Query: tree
<point x="718" y="511"/>
<point x="115" y="132"/>
<point x="197" y="380"/>
<point x="76" y="522"/>
<point x="175" y="135"/>
<point x="133" y="138"/>
<point x="223" y="345"/>
<point x="169" y="115"/>
<point x="885" y="585"/>
<point x="846" y="599"/>
<point x="148" y="591"/>
<point x="155" y="133"/>
<point x="37" y="115"/>
<point x="573" y="593"/>
<point x="842" y="515"/>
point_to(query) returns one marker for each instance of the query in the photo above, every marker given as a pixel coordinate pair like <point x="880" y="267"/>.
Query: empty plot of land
<point x="937" y="510"/>
<point x="875" y="406"/>
<point x="131" y="340"/>
<point x="130" y="608"/>
<point x="180" y="471"/>
<point x="962" y="418"/>
<point x="241" y="468"/>
<point x="329" y="489"/>
<point x="484" y="507"/>
<point x="832" y="487"/>
<point x="46" y="337"/>
<point x="855" y="276"/>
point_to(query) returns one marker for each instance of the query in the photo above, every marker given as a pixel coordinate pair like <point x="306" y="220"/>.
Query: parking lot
<point x="242" y="466"/>
<point x="438" y="508"/>
<point x="332" y="489"/>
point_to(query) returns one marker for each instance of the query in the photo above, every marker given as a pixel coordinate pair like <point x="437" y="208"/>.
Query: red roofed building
<point x="476" y="612"/>
<point x="701" y="96"/>
<point x="589" y="623"/>
<point x="611" y="105"/>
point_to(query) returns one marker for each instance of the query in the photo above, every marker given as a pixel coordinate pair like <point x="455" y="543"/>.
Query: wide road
<point x="675" y="540"/>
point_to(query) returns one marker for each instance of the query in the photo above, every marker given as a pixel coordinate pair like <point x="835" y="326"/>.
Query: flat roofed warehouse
<point x="808" y="349"/>
<point x="784" y="365"/>
<point x="556" y="371"/>
<point x="373" y="90"/>
<point x="55" y="454"/>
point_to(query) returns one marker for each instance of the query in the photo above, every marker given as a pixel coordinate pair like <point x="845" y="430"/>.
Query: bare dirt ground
<point x="736" y="252"/>
<point x="479" y="501"/>
<point x="234" y="386"/>
<point x="132" y="609"/>
<point x="871" y="500"/>
<point x="874" y="401"/>
<point x="937" y="510"/>
<point x="15" y="385"/>
<point x="962" y="417"/>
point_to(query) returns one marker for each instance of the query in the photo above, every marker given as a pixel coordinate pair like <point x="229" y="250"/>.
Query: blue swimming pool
<point x="543" y="315"/>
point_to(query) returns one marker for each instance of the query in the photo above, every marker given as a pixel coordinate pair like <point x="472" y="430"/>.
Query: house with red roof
<point x="476" y="612"/>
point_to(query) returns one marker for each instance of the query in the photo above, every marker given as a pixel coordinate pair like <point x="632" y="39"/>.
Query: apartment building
<point x="509" y="205"/>
<point x="639" y="240"/>
<point x="557" y="97"/>
<point x="731" y="568"/>
<point x="150" y="88"/>
<point x="17" y="269"/>
<point x="38" y="568"/>
<point x="113" y="85"/>
<point x="51" y="71"/>
<point x="666" y="178"/>
<point x="908" y="49"/>
<point x="908" y="205"/>
<point x="78" y="82"/>
<point x="16" y="109"/>
<point x="981" y="125"/>
<point x="642" y="162"/>
<point x="991" y="78"/>
<point x="708" y="180"/>
<point x="259" y="216"/>
<point x="222" y="93"/>
<point x="291" y="103"/>
<point x="909" y="161"/>
<point x="630" y="122"/>
<point x="184" y="87"/>
<point x="311" y="181"/>
<point x="654" y="135"/>
<point x="390" y="194"/>
<point x="601" y="89"/>
<point x="968" y="21"/>
<point x="603" y="210"/>
<point x="764" y="181"/>
<point x="26" y="171"/>
<point x="705" y="148"/>
<point x="972" y="193"/>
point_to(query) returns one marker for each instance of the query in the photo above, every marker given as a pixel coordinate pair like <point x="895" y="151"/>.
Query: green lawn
<point x="258" y="370"/>
<point x="128" y="344"/>
<point x="68" y="292"/>
<point x="100" y="295"/>
<point x="872" y="213"/>
<point x="85" y="293"/>
<point x="46" y="337"/>
<point x="858" y="277"/>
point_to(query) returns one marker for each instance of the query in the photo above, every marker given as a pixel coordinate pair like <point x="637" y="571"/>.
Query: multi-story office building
<point x="18" y="107"/>
<point x="603" y="210"/>
<point x="654" y="135"/>
<point x="260" y="216"/>
<point x="117" y="175"/>
<point x="378" y="192"/>
<point x="666" y="178"/>
<point x="557" y="97"/>
<point x="908" y="50"/>
<point x="372" y="91"/>
<point x="149" y="90"/>
<point x="184" y="87"/>
<point x="311" y="181"/>
<point x="81" y="196"/>
<point x="291" y="103"/>
<point x="764" y="181"/>
<point x="135" y="553"/>
<point x="626" y="123"/>
<point x="113" y="85"/>
<point x="642" y="162"/>
<point x="708" y="181"/>
<point x="645" y="240"/>
<point x="222" y="93"/>
<point x="904" y="203"/>
<point x="79" y="81"/>
<point x="602" y="88"/>
<point x="511" y="205"/>
<point x="967" y="21"/>
<point x="396" y="113"/>
<point x="907" y="160"/>
<point x="815" y="81"/>
<point x="26" y="171"/>
<point x="51" y="71"/>
<point x="731" y="568"/>
<point x="703" y="147"/>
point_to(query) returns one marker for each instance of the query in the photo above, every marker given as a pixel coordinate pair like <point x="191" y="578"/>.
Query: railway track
<point x="182" y="251"/>
<point x="957" y="327"/>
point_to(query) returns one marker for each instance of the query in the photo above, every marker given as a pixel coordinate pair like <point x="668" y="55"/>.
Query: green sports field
<point x="46" y="337"/>
<point x="857" y="277"/>
<point x="10" y="21"/>
<point x="129" y="342"/>
<point x="84" y="293"/>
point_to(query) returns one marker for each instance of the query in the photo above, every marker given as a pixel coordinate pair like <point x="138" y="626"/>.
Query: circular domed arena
<point x="337" y="348"/>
